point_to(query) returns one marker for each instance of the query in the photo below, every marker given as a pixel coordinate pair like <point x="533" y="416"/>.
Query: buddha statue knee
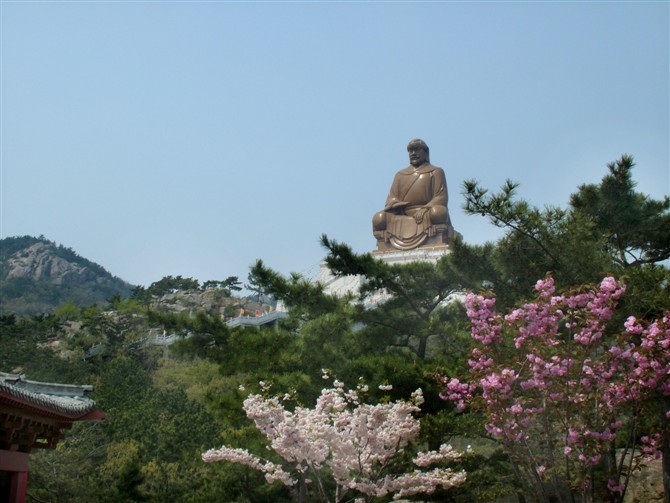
<point x="379" y="221"/>
<point x="438" y="215"/>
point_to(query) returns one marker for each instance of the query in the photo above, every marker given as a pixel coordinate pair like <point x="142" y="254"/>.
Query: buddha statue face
<point x="417" y="154"/>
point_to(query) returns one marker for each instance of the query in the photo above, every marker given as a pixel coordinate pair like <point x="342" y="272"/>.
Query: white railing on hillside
<point x="159" y="337"/>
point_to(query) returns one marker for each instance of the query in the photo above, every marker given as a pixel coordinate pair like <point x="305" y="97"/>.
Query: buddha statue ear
<point x="427" y="151"/>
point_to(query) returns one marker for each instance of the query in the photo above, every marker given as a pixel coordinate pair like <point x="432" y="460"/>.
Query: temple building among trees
<point x="33" y="416"/>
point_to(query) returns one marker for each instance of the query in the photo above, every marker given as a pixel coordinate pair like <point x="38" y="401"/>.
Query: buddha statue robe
<point x="421" y="189"/>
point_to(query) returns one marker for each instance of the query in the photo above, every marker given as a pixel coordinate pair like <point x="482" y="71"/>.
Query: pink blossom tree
<point x="561" y="395"/>
<point x="344" y="443"/>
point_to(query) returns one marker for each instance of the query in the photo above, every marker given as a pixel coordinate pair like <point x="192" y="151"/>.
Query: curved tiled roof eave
<point x="74" y="405"/>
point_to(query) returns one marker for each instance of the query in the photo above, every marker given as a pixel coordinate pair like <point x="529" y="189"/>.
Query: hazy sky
<point x="191" y="138"/>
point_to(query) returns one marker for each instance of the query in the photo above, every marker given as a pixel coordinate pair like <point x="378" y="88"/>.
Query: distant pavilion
<point x="33" y="416"/>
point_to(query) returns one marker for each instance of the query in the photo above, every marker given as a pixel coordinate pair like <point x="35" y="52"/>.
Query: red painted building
<point x="33" y="416"/>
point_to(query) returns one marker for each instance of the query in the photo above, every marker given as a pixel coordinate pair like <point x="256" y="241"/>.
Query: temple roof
<point x="63" y="400"/>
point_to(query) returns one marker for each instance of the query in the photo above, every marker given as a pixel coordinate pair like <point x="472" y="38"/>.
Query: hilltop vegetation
<point x="37" y="276"/>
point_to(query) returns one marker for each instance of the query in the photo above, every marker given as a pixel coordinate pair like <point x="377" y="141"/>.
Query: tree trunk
<point x="423" y="343"/>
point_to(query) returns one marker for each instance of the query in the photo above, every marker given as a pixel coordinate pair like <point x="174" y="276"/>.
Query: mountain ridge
<point x="37" y="275"/>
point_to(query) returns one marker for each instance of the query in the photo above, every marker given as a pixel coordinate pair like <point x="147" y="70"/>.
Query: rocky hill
<point x="37" y="276"/>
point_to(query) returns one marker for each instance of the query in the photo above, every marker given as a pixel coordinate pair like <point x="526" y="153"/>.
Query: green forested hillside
<point x="166" y="405"/>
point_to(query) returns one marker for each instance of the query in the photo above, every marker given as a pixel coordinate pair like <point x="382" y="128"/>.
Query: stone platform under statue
<point x="343" y="285"/>
<point x="422" y="254"/>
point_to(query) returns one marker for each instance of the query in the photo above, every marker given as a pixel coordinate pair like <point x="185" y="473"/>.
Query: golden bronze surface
<point x="415" y="214"/>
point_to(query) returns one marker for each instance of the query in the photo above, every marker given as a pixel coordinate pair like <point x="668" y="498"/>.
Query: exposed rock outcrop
<point x="211" y="301"/>
<point x="37" y="276"/>
<point x="39" y="263"/>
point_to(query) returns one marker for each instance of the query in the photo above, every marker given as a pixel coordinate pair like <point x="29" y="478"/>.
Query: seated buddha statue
<point x="415" y="213"/>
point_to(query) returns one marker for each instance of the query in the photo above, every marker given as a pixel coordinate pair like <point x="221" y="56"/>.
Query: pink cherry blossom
<point x="560" y="387"/>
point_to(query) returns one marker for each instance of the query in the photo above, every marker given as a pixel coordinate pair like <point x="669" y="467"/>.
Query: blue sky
<point x="191" y="138"/>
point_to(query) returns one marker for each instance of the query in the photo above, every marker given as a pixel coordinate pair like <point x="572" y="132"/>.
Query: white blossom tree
<point x="341" y="438"/>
